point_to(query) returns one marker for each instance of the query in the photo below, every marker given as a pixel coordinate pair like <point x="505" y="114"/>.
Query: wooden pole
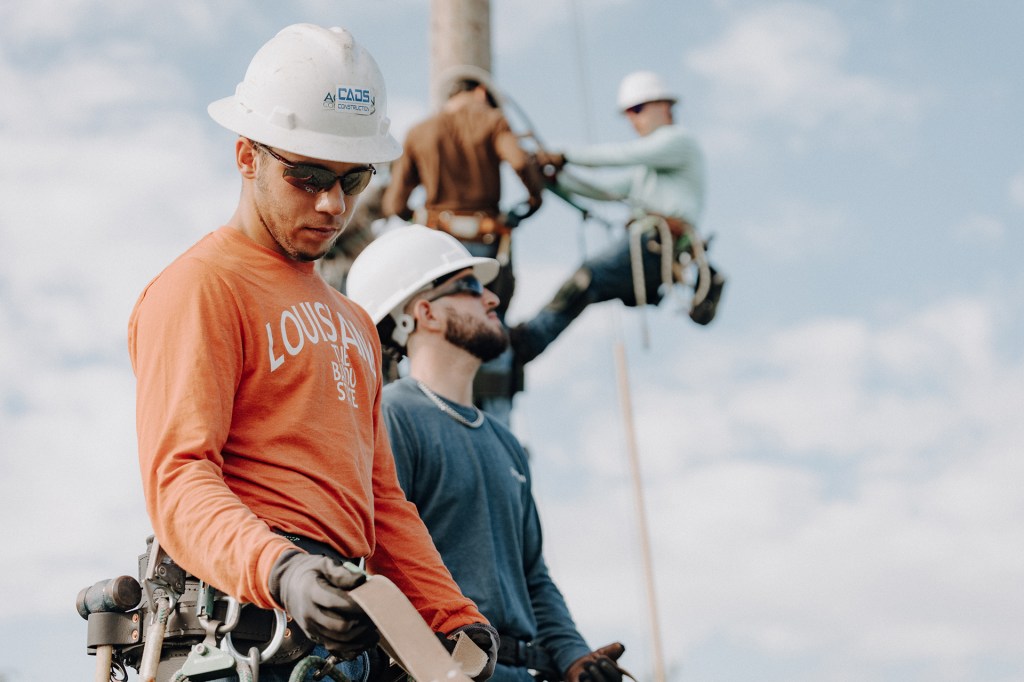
<point x="460" y="34"/>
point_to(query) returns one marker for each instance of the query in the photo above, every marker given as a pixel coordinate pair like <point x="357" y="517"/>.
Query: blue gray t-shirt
<point x="473" y="491"/>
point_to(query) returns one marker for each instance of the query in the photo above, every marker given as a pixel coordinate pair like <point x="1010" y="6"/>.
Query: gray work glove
<point x="312" y="589"/>
<point x="484" y="636"/>
<point x="598" y="666"/>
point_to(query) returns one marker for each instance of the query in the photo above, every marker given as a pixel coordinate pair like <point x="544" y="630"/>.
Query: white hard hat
<point x="403" y="262"/>
<point x="462" y="72"/>
<point x="641" y="87"/>
<point x="313" y="91"/>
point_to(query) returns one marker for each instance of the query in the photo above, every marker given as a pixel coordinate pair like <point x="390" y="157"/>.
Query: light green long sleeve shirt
<point x="667" y="177"/>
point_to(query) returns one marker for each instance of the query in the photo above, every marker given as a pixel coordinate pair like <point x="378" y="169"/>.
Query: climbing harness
<point x="448" y="410"/>
<point x="685" y="247"/>
<point x="637" y="229"/>
<point x="170" y="626"/>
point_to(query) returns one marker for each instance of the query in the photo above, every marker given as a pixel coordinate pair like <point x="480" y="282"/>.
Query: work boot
<point x="530" y="339"/>
<point x="704" y="312"/>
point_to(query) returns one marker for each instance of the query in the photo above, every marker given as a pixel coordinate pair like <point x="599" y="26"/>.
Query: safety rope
<point x="310" y="663"/>
<point x="627" y="410"/>
<point x="703" y="268"/>
<point x="637" y="229"/>
<point x="246" y="672"/>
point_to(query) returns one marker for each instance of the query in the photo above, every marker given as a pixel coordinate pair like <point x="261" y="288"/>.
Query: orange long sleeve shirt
<point x="258" y="408"/>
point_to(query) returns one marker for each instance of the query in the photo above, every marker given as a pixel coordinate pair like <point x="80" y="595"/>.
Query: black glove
<point x="485" y="637"/>
<point x="554" y="159"/>
<point x="520" y="212"/>
<point x="597" y="666"/>
<point x="312" y="589"/>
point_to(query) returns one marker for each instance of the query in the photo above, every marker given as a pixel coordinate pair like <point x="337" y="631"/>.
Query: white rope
<point x="636" y="262"/>
<point x="637" y="229"/>
<point x="627" y="407"/>
<point x="703" y="269"/>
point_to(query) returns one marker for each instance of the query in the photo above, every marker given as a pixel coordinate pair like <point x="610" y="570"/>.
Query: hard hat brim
<point x="315" y="145"/>
<point x="458" y="72"/>
<point x="671" y="99"/>
<point x="484" y="269"/>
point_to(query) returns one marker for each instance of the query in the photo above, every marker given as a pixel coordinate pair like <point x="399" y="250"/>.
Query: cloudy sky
<point x="832" y="471"/>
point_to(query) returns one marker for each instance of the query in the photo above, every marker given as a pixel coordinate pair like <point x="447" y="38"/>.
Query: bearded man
<point x="466" y="473"/>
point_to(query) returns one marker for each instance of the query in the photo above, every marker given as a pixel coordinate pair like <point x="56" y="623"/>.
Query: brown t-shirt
<point x="456" y="156"/>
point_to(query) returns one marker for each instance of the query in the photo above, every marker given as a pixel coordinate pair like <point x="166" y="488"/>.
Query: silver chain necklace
<point x="446" y="408"/>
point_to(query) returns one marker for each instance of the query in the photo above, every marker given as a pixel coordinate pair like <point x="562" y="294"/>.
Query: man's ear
<point x="423" y="312"/>
<point x="245" y="157"/>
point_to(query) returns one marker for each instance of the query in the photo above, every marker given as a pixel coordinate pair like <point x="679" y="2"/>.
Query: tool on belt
<point x="171" y="626"/>
<point x="465" y="225"/>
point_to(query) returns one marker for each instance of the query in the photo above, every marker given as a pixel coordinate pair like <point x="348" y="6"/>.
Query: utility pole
<point x="460" y="35"/>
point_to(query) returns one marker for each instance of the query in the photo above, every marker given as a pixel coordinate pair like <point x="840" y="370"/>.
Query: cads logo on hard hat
<point x="351" y="100"/>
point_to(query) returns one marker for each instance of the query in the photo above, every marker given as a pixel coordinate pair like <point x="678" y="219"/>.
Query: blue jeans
<point x="507" y="673"/>
<point x="606" y="276"/>
<point x="357" y="670"/>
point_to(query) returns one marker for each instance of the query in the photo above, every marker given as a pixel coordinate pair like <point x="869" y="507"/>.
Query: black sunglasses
<point x="636" y="108"/>
<point x="316" y="179"/>
<point x="463" y="285"/>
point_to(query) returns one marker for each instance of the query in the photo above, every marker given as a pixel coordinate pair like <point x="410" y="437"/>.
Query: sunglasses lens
<point x="470" y="285"/>
<point x="310" y="178"/>
<point x="464" y="285"/>
<point x="314" y="179"/>
<point x="355" y="182"/>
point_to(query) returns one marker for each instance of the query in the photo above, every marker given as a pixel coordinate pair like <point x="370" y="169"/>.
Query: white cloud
<point x="793" y="229"/>
<point x="522" y="24"/>
<point x="784" y="62"/>
<point x="82" y="90"/>
<point x="87" y="219"/>
<point x="1016" y="190"/>
<point x="986" y="229"/>
<point x="66" y="22"/>
<point x="837" y="486"/>
<point x="45" y="19"/>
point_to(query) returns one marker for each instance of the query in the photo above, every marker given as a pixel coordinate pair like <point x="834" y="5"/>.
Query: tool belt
<point x="183" y="604"/>
<point x="523" y="654"/>
<point x="184" y="628"/>
<point x="477" y="226"/>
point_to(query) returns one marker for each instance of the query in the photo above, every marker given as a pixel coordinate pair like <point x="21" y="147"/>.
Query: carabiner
<point x="280" y="624"/>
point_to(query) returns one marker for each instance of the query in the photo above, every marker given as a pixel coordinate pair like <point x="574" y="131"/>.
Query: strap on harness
<point x="405" y="637"/>
<point x="637" y="229"/>
<point x="674" y="235"/>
